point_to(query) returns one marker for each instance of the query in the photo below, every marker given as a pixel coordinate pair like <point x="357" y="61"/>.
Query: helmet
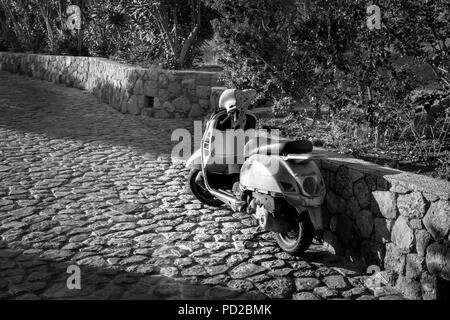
<point x="233" y="99"/>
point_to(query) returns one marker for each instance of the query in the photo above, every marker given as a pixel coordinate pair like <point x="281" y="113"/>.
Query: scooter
<point x="274" y="179"/>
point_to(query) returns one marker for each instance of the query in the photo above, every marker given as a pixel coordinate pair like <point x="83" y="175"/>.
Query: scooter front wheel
<point x="297" y="241"/>
<point x="198" y="189"/>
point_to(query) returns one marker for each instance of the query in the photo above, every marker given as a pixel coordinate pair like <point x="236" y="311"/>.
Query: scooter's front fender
<point x="195" y="161"/>
<point x="316" y="216"/>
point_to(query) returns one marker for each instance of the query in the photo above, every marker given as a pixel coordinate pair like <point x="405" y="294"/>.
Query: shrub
<point x="282" y="106"/>
<point x="167" y="32"/>
<point x="443" y="169"/>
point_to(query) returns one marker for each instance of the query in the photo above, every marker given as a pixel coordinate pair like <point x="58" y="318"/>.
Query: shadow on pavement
<point x="28" y="276"/>
<point x="58" y="112"/>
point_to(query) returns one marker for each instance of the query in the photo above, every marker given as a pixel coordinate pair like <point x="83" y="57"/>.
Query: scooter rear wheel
<point x="300" y="238"/>
<point x="199" y="191"/>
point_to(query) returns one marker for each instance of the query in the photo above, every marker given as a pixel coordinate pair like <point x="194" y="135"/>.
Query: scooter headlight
<point x="311" y="186"/>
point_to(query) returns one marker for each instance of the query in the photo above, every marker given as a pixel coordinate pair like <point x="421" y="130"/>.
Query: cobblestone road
<point x="83" y="184"/>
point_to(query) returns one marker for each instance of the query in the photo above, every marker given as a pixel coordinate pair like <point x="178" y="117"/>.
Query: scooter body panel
<point x="301" y="184"/>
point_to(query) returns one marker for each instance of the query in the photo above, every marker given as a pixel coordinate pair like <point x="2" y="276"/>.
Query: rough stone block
<point x="196" y="111"/>
<point x="344" y="185"/>
<point x="428" y="285"/>
<point x="373" y="252"/>
<point x="134" y="105"/>
<point x="174" y="90"/>
<point x="188" y="85"/>
<point x="215" y="80"/>
<point x="403" y="235"/>
<point x="167" y="106"/>
<point x="124" y="107"/>
<point x="157" y="103"/>
<point x="394" y="260"/>
<point x="355" y="175"/>
<point x="382" y="184"/>
<point x="163" y="80"/>
<point x="412" y="205"/>
<point x="383" y="229"/>
<point x="147" y="113"/>
<point x="399" y="188"/>
<point x="423" y="238"/>
<point x="329" y="177"/>
<point x="415" y="224"/>
<point x="362" y="193"/>
<point x="415" y="266"/>
<point x="204" y="104"/>
<point x="203" y="79"/>
<point x="132" y="76"/>
<point x="203" y="92"/>
<point x="172" y="76"/>
<point x="163" y="95"/>
<point x="385" y="203"/>
<point x="365" y="223"/>
<point x="438" y="260"/>
<point x="335" y="204"/>
<point x="151" y="88"/>
<point x="371" y="181"/>
<point x="162" y="114"/>
<point x="437" y="220"/>
<point x="431" y="197"/>
<point x="345" y="230"/>
<point x="306" y="284"/>
<point x="152" y="74"/>
<point x="182" y="104"/>
<point x="326" y="176"/>
<point x="410" y="288"/>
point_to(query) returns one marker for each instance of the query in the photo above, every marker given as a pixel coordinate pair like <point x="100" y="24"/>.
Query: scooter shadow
<point x="318" y="254"/>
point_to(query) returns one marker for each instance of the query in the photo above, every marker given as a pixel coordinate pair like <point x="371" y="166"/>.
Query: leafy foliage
<point x="166" y="32"/>
<point x="302" y="48"/>
<point x="322" y="54"/>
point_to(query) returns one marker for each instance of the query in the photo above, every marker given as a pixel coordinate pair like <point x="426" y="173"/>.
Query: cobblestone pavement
<point x="83" y="184"/>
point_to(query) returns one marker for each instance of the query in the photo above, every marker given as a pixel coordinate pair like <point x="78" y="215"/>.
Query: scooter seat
<point x="280" y="147"/>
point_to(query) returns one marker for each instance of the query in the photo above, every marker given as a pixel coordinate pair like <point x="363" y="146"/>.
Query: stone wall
<point x="138" y="91"/>
<point x="373" y="215"/>
<point x="392" y="219"/>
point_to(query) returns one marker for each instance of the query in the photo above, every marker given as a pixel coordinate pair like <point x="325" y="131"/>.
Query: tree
<point x="169" y="32"/>
<point x="282" y="47"/>
<point x="167" y="14"/>
<point x="18" y="18"/>
<point x="307" y="48"/>
<point x="421" y="29"/>
<point x="178" y="22"/>
<point x="51" y="11"/>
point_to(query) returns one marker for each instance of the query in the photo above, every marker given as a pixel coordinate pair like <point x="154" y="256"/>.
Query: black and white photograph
<point x="236" y="152"/>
